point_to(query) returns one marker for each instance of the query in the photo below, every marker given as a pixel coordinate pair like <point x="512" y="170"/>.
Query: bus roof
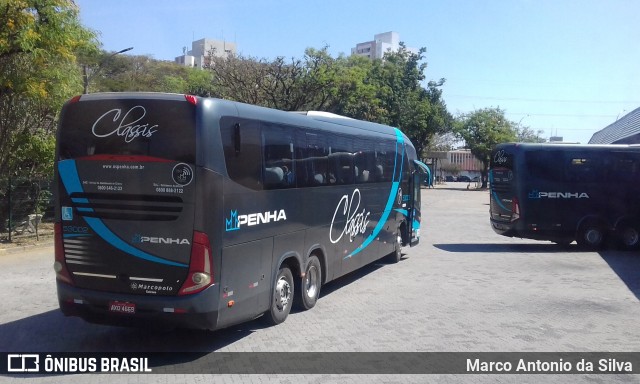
<point x="566" y="146"/>
<point x="312" y="119"/>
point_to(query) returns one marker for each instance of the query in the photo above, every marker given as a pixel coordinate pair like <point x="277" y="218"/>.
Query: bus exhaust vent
<point x="127" y="206"/>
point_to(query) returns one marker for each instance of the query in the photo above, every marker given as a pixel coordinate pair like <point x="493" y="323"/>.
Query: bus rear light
<point x="191" y="99"/>
<point x="200" y="267"/>
<point x="515" y="209"/>
<point x="60" y="266"/>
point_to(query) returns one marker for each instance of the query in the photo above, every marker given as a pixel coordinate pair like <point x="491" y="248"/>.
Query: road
<point x="463" y="289"/>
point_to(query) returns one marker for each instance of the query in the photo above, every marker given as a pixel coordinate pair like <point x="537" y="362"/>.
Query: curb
<point x="28" y="247"/>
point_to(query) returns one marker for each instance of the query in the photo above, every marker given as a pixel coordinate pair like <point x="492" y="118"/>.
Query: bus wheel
<point x="282" y="296"/>
<point x="629" y="235"/>
<point x="396" y="255"/>
<point x="311" y="283"/>
<point x="591" y="235"/>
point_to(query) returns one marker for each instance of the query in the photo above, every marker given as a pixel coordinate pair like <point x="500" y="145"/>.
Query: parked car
<point x="464" y="178"/>
<point x="449" y="178"/>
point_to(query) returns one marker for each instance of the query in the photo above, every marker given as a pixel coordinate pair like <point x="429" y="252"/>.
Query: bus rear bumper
<point x="504" y="229"/>
<point x="162" y="312"/>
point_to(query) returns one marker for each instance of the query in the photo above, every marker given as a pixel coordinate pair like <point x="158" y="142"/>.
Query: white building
<point x="201" y="49"/>
<point x="381" y="43"/>
<point x="456" y="163"/>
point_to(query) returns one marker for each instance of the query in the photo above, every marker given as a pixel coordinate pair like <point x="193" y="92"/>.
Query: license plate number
<point x="122" y="307"/>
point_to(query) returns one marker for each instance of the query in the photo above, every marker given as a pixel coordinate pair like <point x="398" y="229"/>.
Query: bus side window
<point x="242" y="154"/>
<point x="624" y="168"/>
<point x="364" y="161"/>
<point x="545" y="165"/>
<point x="384" y="161"/>
<point x="583" y="169"/>
<point x="312" y="159"/>
<point x="341" y="168"/>
<point x="279" y="167"/>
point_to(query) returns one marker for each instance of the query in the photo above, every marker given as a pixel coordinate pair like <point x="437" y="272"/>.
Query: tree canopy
<point x="481" y="130"/>
<point x="387" y="91"/>
<point x="39" y="41"/>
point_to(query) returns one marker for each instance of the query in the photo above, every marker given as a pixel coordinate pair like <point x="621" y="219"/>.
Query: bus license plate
<point x="122" y="307"/>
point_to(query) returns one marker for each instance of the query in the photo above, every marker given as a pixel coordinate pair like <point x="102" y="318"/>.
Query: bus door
<point x="415" y="198"/>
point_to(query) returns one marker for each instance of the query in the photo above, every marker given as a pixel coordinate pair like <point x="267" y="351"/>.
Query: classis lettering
<point x="126" y="125"/>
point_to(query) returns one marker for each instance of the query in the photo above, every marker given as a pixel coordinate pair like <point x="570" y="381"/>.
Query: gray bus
<point x="567" y="192"/>
<point x="181" y="211"/>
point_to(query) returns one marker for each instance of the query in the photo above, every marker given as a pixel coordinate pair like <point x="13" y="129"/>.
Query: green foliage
<point x="131" y="73"/>
<point x="386" y="91"/>
<point x="33" y="157"/>
<point x="482" y="130"/>
<point x="298" y="84"/>
<point x="527" y="135"/>
<point x="420" y="112"/>
<point x="38" y="43"/>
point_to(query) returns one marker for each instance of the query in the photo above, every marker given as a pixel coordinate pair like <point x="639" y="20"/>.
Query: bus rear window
<point x="137" y="127"/>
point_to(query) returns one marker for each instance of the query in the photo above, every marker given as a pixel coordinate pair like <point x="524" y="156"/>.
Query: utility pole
<point x="86" y="77"/>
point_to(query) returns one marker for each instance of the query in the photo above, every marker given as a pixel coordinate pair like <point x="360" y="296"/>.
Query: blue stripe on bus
<point x="72" y="235"/>
<point x="404" y="212"/>
<point x="71" y="181"/>
<point x="497" y="200"/>
<point x="392" y="195"/>
<point x="101" y="229"/>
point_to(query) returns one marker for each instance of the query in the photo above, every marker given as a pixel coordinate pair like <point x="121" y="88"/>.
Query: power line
<point x="544" y="100"/>
<point x="558" y="115"/>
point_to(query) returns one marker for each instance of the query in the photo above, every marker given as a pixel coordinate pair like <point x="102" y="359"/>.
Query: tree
<point x="122" y="73"/>
<point x="39" y="40"/>
<point x="299" y="84"/>
<point x="527" y="135"/>
<point x="419" y="112"/>
<point x="482" y="130"/>
<point x="387" y="91"/>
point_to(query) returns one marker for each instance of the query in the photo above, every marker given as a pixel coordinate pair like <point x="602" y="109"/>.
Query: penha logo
<point x="232" y="224"/>
<point x="140" y="239"/>
<point x="557" y="195"/>
<point x="235" y="221"/>
<point x="126" y="125"/>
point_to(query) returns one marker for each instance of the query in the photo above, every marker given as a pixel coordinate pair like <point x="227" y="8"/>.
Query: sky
<point x="567" y="68"/>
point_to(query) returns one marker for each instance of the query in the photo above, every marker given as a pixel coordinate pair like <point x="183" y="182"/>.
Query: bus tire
<point x="396" y="255"/>
<point x="591" y="235"/>
<point x="629" y="235"/>
<point x="282" y="297"/>
<point x="310" y="285"/>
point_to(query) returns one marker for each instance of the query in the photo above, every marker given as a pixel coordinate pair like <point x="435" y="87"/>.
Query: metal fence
<point x="26" y="209"/>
